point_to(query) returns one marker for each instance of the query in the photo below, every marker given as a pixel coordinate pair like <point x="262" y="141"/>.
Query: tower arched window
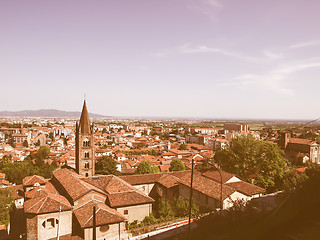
<point x="86" y="165"/>
<point x="86" y="155"/>
<point x="86" y="143"/>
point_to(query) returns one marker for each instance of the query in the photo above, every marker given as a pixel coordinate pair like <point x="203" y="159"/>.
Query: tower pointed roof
<point x="84" y="124"/>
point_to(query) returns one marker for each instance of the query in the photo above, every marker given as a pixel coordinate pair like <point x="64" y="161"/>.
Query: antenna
<point x="85" y="96"/>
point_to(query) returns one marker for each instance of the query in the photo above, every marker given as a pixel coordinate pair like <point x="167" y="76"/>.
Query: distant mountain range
<point x="46" y="113"/>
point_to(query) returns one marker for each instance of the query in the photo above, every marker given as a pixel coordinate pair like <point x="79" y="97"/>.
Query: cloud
<point x="213" y="3"/>
<point x="275" y="79"/>
<point x="267" y="55"/>
<point x="206" y="7"/>
<point x="304" y="44"/>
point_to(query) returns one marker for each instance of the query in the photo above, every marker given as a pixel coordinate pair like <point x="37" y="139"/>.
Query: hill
<point x="46" y="113"/>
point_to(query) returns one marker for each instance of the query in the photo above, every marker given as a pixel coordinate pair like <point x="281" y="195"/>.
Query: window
<point x="87" y="174"/>
<point x="86" y="165"/>
<point x="86" y="143"/>
<point x="125" y="212"/>
<point x="104" y="228"/>
<point x="50" y="223"/>
<point x="86" y="155"/>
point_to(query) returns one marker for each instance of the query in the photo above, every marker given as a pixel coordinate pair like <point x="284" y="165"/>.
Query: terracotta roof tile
<point x="31" y="180"/>
<point x="104" y="214"/>
<point x="214" y="175"/>
<point x="207" y="186"/>
<point x="45" y="203"/>
<point x="72" y="183"/>
<point x="246" y="188"/>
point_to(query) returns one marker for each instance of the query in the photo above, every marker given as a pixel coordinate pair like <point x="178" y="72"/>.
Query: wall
<point x="112" y="233"/>
<point x="137" y="212"/>
<point x="146" y="188"/>
<point x="32" y="227"/>
<point x="65" y="225"/>
<point x="199" y="198"/>
<point x="228" y="202"/>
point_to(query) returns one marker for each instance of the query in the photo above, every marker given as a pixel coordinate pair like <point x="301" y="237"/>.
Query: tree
<point x="177" y="165"/>
<point x="43" y="153"/>
<point x="183" y="147"/>
<point x="164" y="210"/>
<point x="25" y="143"/>
<point x="146" y="167"/>
<point x="252" y="160"/>
<point x="106" y="165"/>
<point x="6" y="202"/>
<point x="51" y="136"/>
<point x="5" y="160"/>
<point x="181" y="207"/>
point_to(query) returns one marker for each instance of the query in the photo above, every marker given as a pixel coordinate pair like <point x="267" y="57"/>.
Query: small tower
<point x="85" y="153"/>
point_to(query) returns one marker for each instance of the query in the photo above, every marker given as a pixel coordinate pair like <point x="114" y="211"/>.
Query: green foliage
<point x="204" y="165"/>
<point x="183" y="147"/>
<point x="16" y="172"/>
<point x="43" y="153"/>
<point x="177" y="165"/>
<point x="6" y="202"/>
<point x="146" y="167"/>
<point x="164" y="210"/>
<point x="106" y="165"/>
<point x="181" y="207"/>
<point x="147" y="152"/>
<point x="51" y="136"/>
<point x="5" y="160"/>
<point x="25" y="143"/>
<point x="251" y="159"/>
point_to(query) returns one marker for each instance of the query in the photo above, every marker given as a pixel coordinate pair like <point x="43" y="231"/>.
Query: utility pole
<point x="94" y="233"/>
<point x="190" y="199"/>
<point x="58" y="228"/>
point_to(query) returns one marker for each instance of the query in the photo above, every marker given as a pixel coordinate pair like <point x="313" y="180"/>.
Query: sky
<point x="215" y="59"/>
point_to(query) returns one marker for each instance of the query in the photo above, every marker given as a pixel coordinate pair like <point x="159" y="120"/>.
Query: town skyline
<point x="210" y="59"/>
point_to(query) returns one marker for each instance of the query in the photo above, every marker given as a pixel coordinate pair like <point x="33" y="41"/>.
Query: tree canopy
<point x="146" y="167"/>
<point x="260" y="162"/>
<point x="106" y="165"/>
<point x="6" y="202"/>
<point x="177" y="165"/>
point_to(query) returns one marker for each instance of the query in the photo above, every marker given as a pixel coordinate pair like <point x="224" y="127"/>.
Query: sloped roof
<point x="72" y="183"/>
<point x="207" y="186"/>
<point x="301" y="141"/>
<point x="104" y="214"/>
<point x="84" y="123"/>
<point x="31" y="180"/>
<point x="168" y="181"/>
<point x="45" y="203"/>
<point x="246" y="188"/>
<point x="214" y="175"/>
<point x="119" y="192"/>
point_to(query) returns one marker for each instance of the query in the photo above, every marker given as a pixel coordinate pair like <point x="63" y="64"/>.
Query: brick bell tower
<point x="85" y="152"/>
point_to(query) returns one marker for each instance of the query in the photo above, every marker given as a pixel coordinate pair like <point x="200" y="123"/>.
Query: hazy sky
<point x="170" y="58"/>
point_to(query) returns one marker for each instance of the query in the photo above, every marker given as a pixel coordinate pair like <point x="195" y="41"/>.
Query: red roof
<point x="104" y="214"/>
<point x="45" y="203"/>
